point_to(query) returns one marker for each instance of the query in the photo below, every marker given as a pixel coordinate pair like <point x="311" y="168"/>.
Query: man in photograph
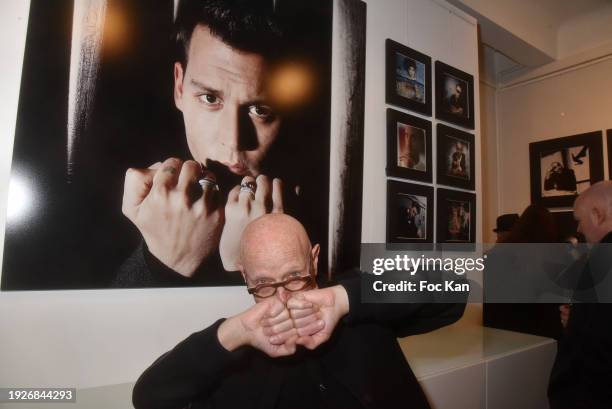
<point x="411" y="147"/>
<point x="559" y="177"/>
<point x="299" y="346"/>
<point x="458" y="161"/>
<point x="233" y="126"/>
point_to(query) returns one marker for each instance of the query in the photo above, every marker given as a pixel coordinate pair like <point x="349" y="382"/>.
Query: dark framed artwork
<point x="409" y="213"/>
<point x="562" y="168"/>
<point x="408" y="78"/>
<point x="609" y="134"/>
<point x="408" y="147"/>
<point x="456" y="158"/>
<point x="456" y="216"/>
<point x="102" y="91"/>
<point x="454" y="95"/>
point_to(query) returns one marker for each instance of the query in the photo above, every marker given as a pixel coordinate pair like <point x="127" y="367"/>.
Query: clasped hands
<point x="308" y="318"/>
<point x="182" y="227"/>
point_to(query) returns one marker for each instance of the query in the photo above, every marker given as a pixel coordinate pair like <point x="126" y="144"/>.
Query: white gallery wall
<point x="563" y="99"/>
<point x="444" y="33"/>
<point x="91" y="338"/>
<point x="434" y="28"/>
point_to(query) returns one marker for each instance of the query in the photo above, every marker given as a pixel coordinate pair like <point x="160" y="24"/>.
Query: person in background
<point x="504" y="224"/>
<point x="535" y="225"/>
<point x="582" y="374"/>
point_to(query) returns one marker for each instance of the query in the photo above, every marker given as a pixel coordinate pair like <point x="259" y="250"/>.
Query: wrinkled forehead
<point x="274" y="263"/>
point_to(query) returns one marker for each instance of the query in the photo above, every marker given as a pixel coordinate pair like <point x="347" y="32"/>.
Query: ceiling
<point x="527" y="34"/>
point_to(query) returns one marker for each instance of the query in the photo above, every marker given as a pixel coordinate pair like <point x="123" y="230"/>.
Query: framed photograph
<point x="456" y="216"/>
<point x="105" y="88"/>
<point x="409" y="213"/>
<point x="408" y="147"/>
<point x="562" y="168"/>
<point x="456" y="158"/>
<point x="408" y="78"/>
<point x="454" y="95"/>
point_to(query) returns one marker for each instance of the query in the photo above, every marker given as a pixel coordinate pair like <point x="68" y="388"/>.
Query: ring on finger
<point x="207" y="182"/>
<point x="249" y="187"/>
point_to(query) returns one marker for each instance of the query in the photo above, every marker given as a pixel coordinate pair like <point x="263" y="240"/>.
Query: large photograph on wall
<point x="562" y="168"/>
<point x="147" y="137"/>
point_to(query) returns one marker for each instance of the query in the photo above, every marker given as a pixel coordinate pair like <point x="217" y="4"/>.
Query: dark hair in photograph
<point x="247" y="25"/>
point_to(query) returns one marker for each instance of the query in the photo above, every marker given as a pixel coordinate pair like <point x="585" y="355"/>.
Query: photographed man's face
<point x="458" y="90"/>
<point x="221" y="93"/>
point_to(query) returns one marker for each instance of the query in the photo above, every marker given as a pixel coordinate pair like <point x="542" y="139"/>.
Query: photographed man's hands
<point x="255" y="327"/>
<point x="180" y="224"/>
<point x="244" y="207"/>
<point x="316" y="314"/>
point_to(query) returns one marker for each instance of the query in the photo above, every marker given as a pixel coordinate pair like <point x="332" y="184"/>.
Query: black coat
<point x="582" y="374"/>
<point x="363" y="355"/>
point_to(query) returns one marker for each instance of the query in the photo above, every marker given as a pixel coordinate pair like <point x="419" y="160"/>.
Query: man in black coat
<point x="582" y="373"/>
<point x="299" y="346"/>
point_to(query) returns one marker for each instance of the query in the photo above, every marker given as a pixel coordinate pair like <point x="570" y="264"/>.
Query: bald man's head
<point x="593" y="211"/>
<point x="276" y="247"/>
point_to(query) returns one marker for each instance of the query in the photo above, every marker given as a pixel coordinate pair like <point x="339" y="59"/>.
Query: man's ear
<point x="314" y="256"/>
<point x="179" y="75"/>
<point x="243" y="274"/>
<point x="598" y="217"/>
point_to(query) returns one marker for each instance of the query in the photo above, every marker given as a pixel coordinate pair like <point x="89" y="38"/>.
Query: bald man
<point x="582" y="374"/>
<point x="299" y="346"/>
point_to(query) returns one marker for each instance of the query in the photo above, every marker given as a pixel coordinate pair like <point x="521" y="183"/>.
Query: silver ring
<point x="249" y="187"/>
<point x="207" y="182"/>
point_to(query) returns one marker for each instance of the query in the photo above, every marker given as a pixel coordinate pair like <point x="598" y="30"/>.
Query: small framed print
<point x="408" y="147"/>
<point x="409" y="213"/>
<point x="562" y="168"/>
<point x="454" y="96"/>
<point x="456" y="158"/>
<point x="456" y="216"/>
<point x="408" y="78"/>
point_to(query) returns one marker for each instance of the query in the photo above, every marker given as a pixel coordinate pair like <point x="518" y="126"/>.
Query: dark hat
<point x="505" y="222"/>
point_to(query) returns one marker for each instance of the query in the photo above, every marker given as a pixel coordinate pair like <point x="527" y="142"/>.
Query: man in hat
<point x="504" y="224"/>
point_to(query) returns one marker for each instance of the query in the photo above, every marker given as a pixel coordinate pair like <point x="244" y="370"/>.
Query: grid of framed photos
<point x="414" y="154"/>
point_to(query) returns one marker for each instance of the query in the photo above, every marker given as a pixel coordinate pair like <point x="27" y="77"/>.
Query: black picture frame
<point x="415" y="91"/>
<point x="400" y="195"/>
<point x="461" y="234"/>
<point x="409" y="147"/>
<point x="451" y="107"/>
<point x="609" y="135"/>
<point x="455" y="164"/>
<point x="564" y="165"/>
